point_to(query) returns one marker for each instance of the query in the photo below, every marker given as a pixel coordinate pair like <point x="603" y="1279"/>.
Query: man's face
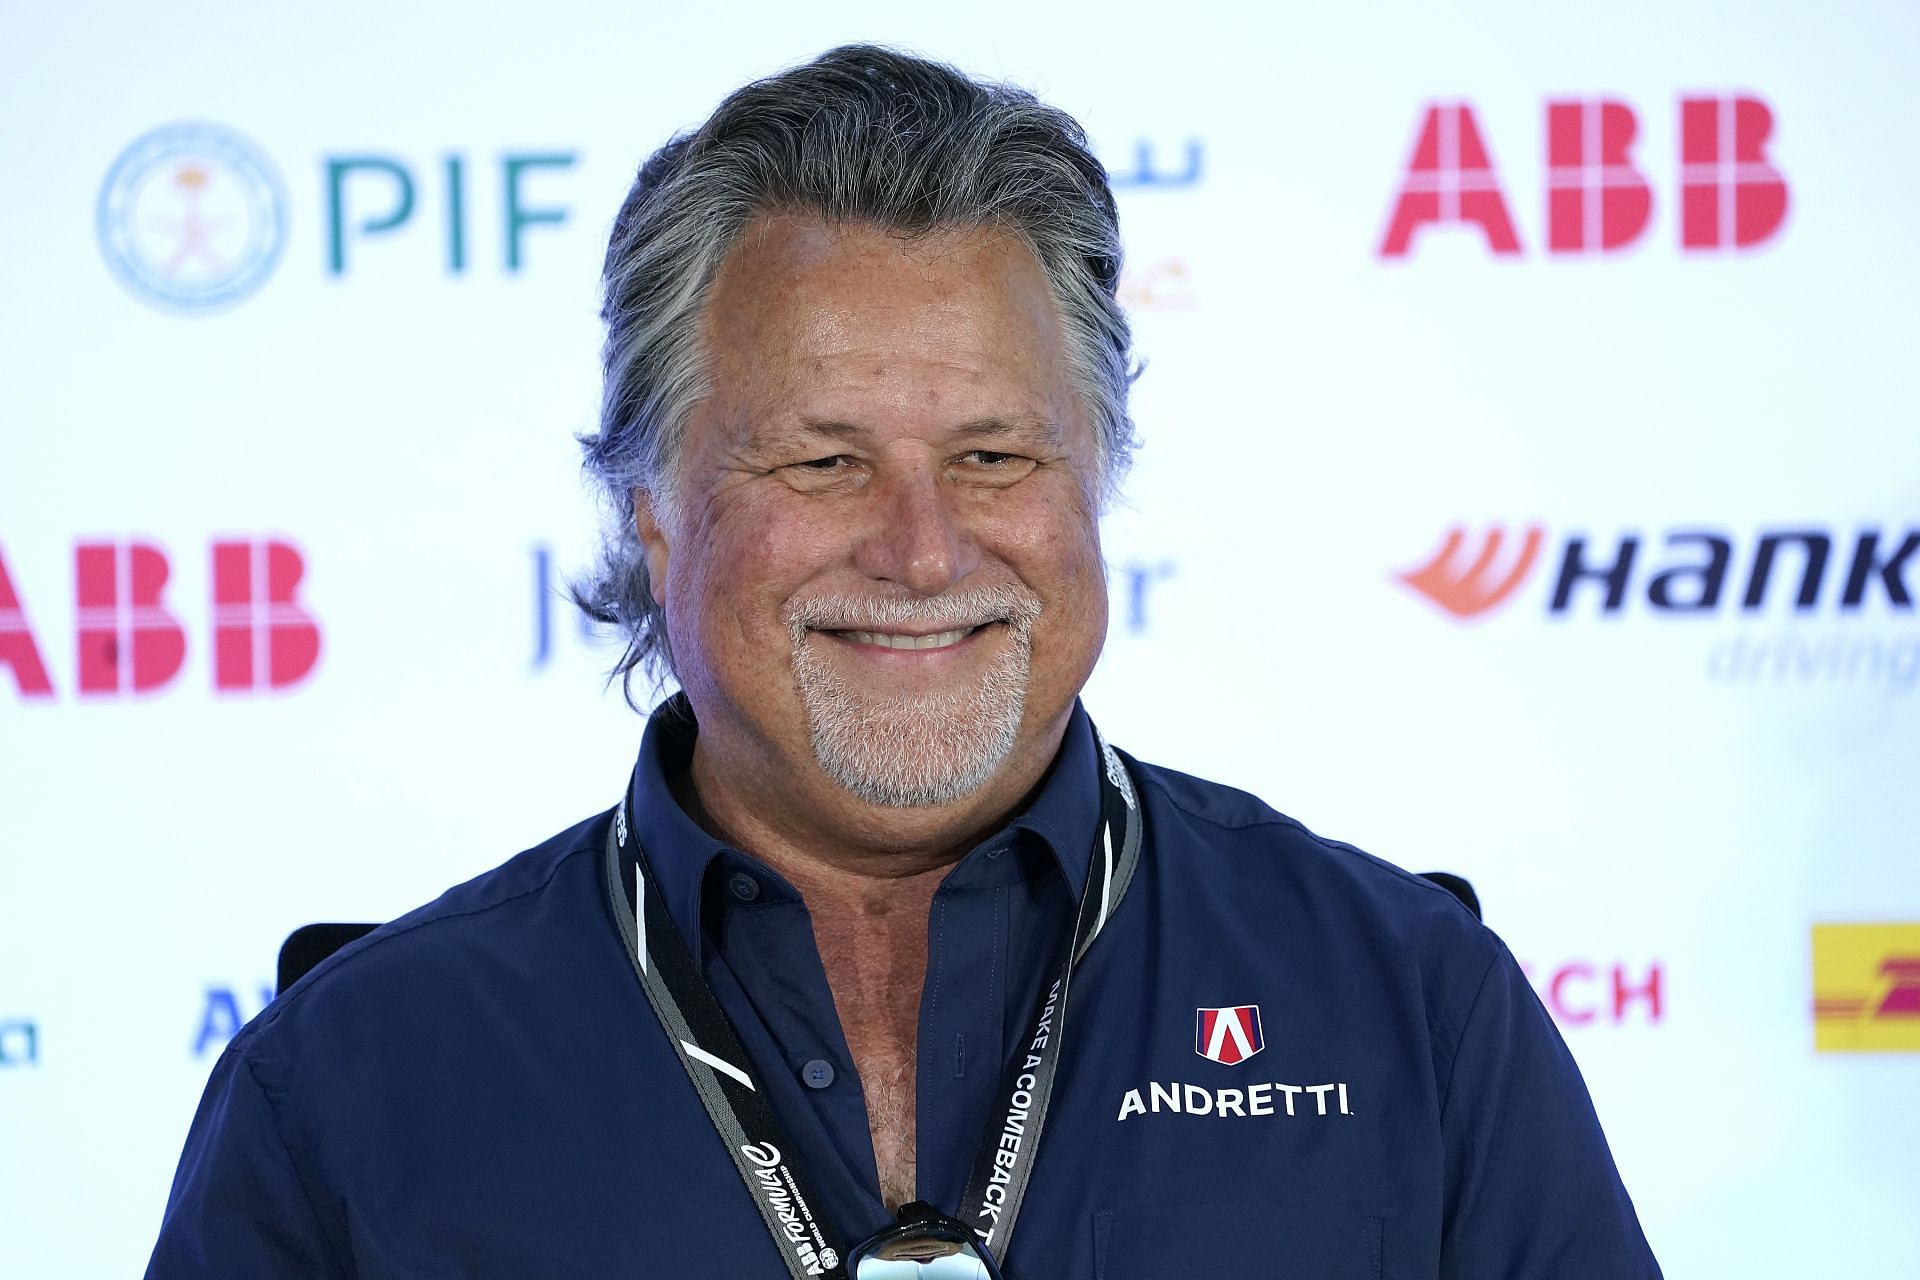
<point x="884" y="557"/>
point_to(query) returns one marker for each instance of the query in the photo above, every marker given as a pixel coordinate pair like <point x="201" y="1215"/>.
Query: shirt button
<point x="744" y="886"/>
<point x="818" y="1073"/>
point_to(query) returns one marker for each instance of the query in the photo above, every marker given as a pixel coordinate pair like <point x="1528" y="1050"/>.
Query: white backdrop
<point x="226" y="330"/>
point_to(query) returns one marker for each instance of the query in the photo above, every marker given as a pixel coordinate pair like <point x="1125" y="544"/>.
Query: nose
<point x="917" y="536"/>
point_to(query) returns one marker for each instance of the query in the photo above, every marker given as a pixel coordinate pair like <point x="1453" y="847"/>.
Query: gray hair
<point x="859" y="135"/>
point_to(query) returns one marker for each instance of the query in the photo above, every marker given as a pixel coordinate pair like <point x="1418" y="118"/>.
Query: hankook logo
<point x="1682" y="571"/>
<point x="1766" y="589"/>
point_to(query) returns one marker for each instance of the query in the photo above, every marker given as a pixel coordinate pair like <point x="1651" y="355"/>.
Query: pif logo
<point x="127" y="640"/>
<point x="191" y="217"/>
<point x="1866" y="988"/>
<point x="1597" y="199"/>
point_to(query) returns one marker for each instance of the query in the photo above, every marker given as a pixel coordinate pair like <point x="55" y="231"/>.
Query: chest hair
<point x="876" y="972"/>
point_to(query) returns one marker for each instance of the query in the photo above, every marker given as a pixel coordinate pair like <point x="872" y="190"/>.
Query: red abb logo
<point x="1597" y="199"/>
<point x="127" y="641"/>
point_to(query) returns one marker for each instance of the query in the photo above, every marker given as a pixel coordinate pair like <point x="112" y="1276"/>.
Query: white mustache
<point x="966" y="607"/>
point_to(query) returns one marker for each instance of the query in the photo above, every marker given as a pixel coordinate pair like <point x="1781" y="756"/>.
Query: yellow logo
<point x="1866" y="988"/>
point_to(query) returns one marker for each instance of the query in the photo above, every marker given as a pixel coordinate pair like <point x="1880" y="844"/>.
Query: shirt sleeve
<point x="238" y="1205"/>
<point x="1532" y="1191"/>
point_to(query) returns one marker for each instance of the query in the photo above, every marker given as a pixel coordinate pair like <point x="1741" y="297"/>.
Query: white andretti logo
<point x="1268" y="1098"/>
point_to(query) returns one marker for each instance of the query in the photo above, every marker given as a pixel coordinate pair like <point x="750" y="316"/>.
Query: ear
<point x="653" y="543"/>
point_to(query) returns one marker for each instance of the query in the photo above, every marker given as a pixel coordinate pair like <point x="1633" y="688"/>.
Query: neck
<point x="826" y="841"/>
<point x="868" y="874"/>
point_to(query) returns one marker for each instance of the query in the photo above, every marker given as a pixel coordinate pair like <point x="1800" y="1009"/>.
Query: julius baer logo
<point x="1230" y="1036"/>
<point x="1841" y="599"/>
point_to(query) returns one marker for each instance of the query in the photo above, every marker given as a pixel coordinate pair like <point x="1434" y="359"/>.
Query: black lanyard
<point x="716" y="1062"/>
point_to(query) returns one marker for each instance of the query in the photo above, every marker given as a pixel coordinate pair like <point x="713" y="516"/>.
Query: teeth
<point x="887" y="640"/>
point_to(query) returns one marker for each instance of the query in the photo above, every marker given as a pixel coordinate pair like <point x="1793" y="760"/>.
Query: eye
<point x="824" y="475"/>
<point x="993" y="468"/>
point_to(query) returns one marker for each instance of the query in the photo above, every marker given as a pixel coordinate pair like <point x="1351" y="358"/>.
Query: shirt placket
<point x="962" y="1035"/>
<point x="767" y="975"/>
<point x="994" y="932"/>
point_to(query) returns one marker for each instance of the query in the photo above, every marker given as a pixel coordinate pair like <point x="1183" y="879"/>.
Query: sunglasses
<point x="924" y="1244"/>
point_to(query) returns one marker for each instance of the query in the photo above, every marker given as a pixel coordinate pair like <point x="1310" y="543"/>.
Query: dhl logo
<point x="1866" y="988"/>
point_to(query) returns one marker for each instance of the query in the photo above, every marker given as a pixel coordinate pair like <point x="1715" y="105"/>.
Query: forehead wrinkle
<point x="833" y="357"/>
<point x="788" y="322"/>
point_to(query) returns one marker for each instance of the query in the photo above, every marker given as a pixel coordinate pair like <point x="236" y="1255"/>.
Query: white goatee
<point x="914" y="749"/>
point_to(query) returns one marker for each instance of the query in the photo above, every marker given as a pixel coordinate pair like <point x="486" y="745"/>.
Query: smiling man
<point x="879" y="567"/>
<point x="885" y="964"/>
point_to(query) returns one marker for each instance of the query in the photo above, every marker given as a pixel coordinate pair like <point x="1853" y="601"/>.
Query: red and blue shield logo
<point x="1228" y="1035"/>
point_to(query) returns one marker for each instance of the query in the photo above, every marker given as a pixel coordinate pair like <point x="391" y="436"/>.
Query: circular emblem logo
<point x="192" y="217"/>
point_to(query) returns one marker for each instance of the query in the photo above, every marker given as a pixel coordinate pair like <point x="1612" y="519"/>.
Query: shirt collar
<point x="1064" y="812"/>
<point x="1060" y="822"/>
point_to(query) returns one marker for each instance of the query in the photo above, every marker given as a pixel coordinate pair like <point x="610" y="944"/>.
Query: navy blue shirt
<point x="1283" y="1058"/>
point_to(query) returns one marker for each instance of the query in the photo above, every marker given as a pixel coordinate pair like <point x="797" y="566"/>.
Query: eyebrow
<point x="1019" y="427"/>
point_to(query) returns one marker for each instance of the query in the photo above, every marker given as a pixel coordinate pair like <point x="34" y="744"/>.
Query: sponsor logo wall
<point x="1530" y="488"/>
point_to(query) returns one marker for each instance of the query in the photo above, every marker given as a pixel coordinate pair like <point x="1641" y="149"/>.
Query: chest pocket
<point x="1244" y="1241"/>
